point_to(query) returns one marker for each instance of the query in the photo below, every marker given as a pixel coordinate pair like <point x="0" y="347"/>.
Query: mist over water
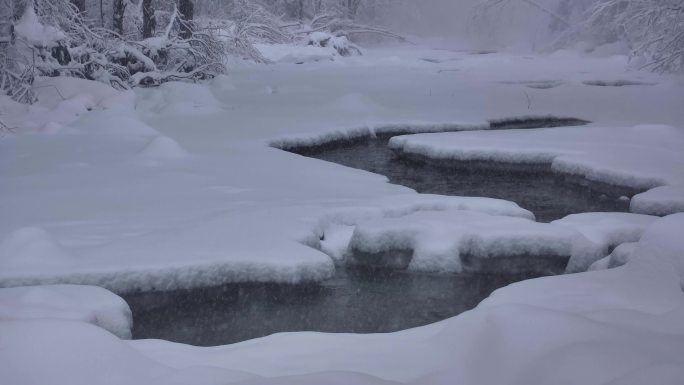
<point x="514" y="25"/>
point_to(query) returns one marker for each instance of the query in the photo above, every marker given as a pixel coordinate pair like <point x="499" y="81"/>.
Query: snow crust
<point x="87" y="304"/>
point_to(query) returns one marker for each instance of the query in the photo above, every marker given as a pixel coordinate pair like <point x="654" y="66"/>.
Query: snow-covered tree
<point x="654" y="29"/>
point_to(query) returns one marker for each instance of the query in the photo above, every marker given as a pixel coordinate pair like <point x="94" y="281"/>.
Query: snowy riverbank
<point x="178" y="187"/>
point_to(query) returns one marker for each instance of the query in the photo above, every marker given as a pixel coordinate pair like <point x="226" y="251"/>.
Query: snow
<point x="234" y="209"/>
<point x="594" y="152"/>
<point x="181" y="98"/>
<point x="163" y="147"/>
<point x="30" y="29"/>
<point x="663" y="200"/>
<point x="88" y="304"/>
<point x="285" y="53"/>
<point x="435" y="241"/>
<point x="663" y="243"/>
<point x="604" y="231"/>
<point x="620" y="255"/>
<point x="618" y="326"/>
<point x="336" y="226"/>
<point x="32" y="246"/>
<point x="220" y="206"/>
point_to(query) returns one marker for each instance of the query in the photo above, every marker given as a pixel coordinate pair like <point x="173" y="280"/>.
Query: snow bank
<point x="331" y="137"/>
<point x="602" y="154"/>
<point x="663" y="200"/>
<point x="663" y="243"/>
<point x="604" y="231"/>
<point x="336" y="227"/>
<point x="440" y="240"/>
<point x="61" y="102"/>
<point x="89" y="304"/>
<point x="287" y="53"/>
<point x="620" y="255"/>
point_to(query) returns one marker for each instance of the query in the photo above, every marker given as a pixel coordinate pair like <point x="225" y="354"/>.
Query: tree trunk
<point x="118" y="16"/>
<point x="6" y="24"/>
<point x="149" y="22"/>
<point x="186" y="8"/>
<point x="300" y="10"/>
<point x="352" y="8"/>
<point x="80" y="4"/>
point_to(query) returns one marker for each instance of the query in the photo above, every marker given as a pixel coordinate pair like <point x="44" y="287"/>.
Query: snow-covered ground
<point x="178" y="186"/>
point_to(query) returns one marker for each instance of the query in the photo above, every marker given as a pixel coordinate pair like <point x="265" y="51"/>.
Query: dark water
<point x="354" y="301"/>
<point x="366" y="301"/>
<point x="549" y="196"/>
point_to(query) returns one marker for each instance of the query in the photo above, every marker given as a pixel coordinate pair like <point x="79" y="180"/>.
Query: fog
<point x="514" y="24"/>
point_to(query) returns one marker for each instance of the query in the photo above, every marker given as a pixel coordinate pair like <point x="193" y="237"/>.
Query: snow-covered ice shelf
<point x="640" y="157"/>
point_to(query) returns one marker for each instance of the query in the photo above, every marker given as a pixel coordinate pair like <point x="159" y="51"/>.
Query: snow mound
<point x="620" y="256"/>
<point x="663" y="243"/>
<point x="163" y="148"/>
<point x="182" y="98"/>
<point x="62" y="101"/>
<point x="51" y="91"/>
<point x="32" y="246"/>
<point x="113" y="122"/>
<point x="288" y="53"/>
<point x="663" y="200"/>
<point x="456" y="240"/>
<point x="223" y="84"/>
<point x="604" y="231"/>
<point x="89" y="304"/>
